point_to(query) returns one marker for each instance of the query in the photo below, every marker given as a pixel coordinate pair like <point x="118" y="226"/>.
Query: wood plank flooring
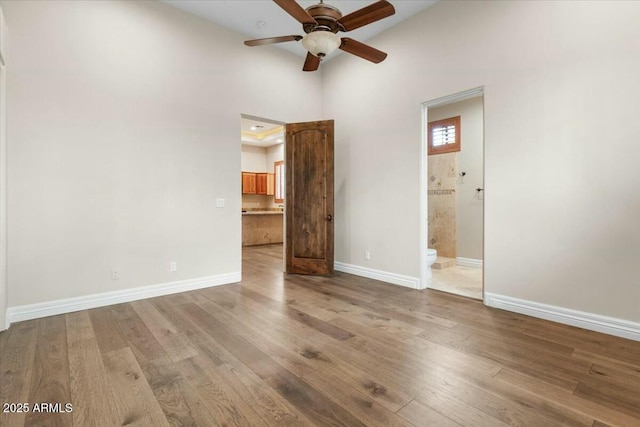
<point x="290" y="350"/>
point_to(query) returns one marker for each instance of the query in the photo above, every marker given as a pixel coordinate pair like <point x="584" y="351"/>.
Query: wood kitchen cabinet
<point x="258" y="183"/>
<point x="261" y="183"/>
<point x="248" y="183"/>
<point x="271" y="184"/>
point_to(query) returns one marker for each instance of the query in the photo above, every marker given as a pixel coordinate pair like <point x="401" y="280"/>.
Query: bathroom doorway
<point x="453" y="194"/>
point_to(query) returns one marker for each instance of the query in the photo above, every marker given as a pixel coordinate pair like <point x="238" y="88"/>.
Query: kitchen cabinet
<point x="248" y="183"/>
<point x="271" y="184"/>
<point x="258" y="183"/>
<point x="261" y="183"/>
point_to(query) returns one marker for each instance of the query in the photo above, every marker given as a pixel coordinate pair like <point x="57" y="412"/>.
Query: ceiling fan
<point x="321" y="22"/>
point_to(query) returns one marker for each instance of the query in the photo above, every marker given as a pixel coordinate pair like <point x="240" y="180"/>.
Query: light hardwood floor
<point x="294" y="350"/>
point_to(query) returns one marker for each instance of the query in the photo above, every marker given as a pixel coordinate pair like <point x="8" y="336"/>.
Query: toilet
<point x="432" y="255"/>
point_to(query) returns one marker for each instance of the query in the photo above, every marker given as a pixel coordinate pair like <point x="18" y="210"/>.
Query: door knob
<point x="329" y="218"/>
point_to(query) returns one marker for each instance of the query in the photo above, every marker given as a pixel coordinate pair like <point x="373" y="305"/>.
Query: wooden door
<point x="309" y="198"/>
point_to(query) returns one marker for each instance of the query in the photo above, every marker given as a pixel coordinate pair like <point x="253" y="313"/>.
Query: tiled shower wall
<point x="442" y="203"/>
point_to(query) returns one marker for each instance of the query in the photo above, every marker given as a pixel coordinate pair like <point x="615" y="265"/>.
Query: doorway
<point x="452" y="194"/>
<point x="309" y="215"/>
<point x="262" y="186"/>
<point x="294" y="204"/>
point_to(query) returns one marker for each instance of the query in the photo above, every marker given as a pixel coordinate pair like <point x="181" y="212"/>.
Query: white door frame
<point x="425" y="271"/>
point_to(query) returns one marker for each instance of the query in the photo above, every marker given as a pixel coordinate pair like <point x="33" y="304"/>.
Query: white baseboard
<point x="593" y="322"/>
<point x="469" y="262"/>
<point x="383" y="276"/>
<point x="68" y="305"/>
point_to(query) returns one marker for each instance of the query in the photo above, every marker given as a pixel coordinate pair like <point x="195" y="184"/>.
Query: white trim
<point x="469" y="262"/>
<point x="593" y="322"/>
<point x="423" y="227"/>
<point x="68" y="305"/>
<point x="456" y="97"/>
<point x="383" y="276"/>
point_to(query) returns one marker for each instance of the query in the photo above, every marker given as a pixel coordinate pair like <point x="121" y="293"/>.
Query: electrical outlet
<point x="367" y="255"/>
<point x="173" y="266"/>
<point x="115" y="275"/>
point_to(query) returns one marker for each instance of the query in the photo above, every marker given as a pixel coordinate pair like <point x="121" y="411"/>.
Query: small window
<point x="444" y="135"/>
<point x="280" y="180"/>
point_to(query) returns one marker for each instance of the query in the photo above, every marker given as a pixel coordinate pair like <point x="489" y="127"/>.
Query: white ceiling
<point x="259" y="133"/>
<point x="243" y="16"/>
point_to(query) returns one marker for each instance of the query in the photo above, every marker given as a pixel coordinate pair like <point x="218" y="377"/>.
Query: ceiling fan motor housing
<point x="326" y="16"/>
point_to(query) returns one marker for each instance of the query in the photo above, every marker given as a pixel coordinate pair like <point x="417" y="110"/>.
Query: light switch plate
<point x="219" y="203"/>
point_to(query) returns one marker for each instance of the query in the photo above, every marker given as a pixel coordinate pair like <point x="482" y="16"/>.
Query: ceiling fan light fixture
<point x="321" y="43"/>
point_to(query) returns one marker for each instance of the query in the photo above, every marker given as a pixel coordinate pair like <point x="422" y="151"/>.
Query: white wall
<point x="254" y="159"/>
<point x="561" y="145"/>
<point x="469" y="160"/>
<point x="124" y="121"/>
<point x="261" y="159"/>
<point x="123" y="126"/>
<point x="3" y="173"/>
<point x="275" y="153"/>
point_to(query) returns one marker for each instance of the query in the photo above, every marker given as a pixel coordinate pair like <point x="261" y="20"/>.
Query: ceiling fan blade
<point x="372" y="13"/>
<point x="295" y="10"/>
<point x="272" y="40"/>
<point x="362" y="50"/>
<point x="311" y="63"/>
